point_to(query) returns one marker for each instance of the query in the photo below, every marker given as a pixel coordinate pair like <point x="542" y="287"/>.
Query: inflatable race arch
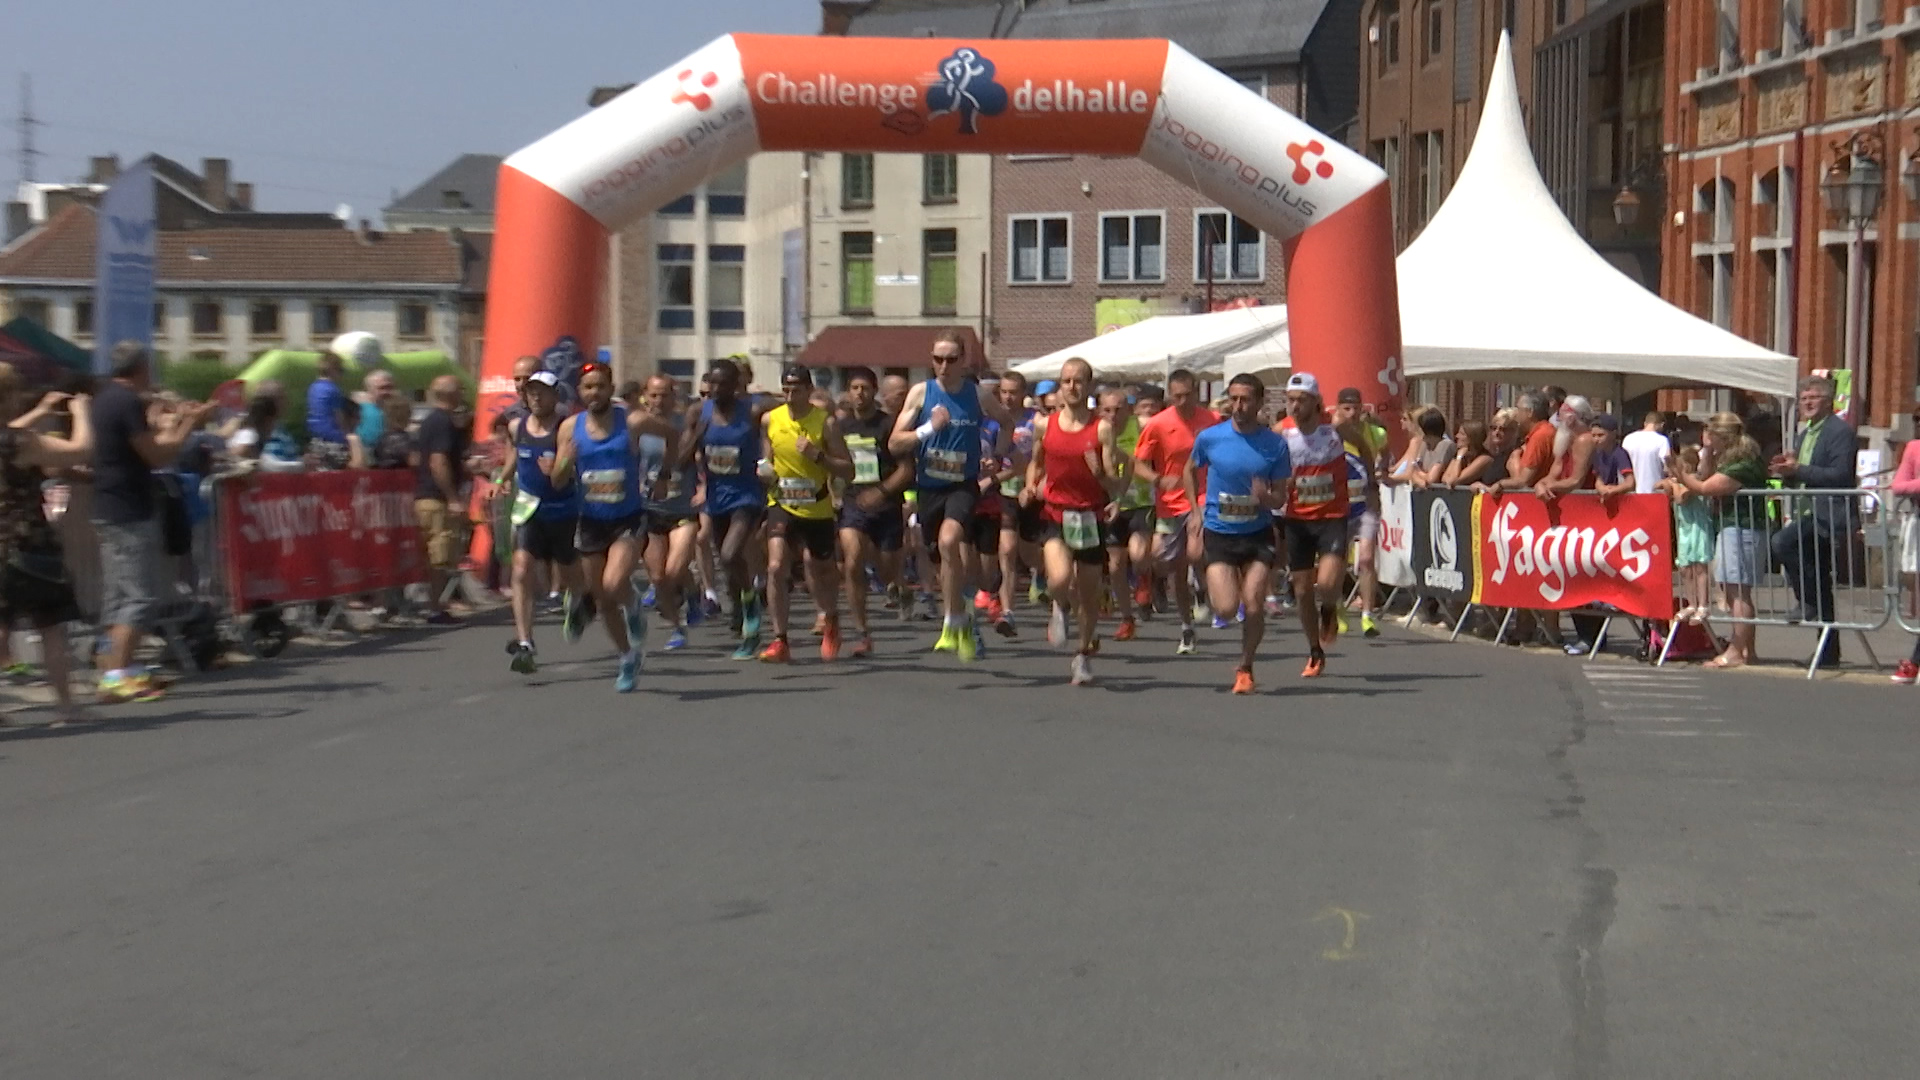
<point x="559" y="200"/>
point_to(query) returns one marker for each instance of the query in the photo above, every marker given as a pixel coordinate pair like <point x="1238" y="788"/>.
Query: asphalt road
<point x="400" y="859"/>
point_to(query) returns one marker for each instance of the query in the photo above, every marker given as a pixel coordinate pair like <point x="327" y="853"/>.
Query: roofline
<point x="189" y="286"/>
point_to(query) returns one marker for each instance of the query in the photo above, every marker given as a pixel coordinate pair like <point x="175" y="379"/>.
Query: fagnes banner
<point x="1575" y="551"/>
<point x="297" y="537"/>
<point x="1445" y="559"/>
<point x="1394" y="557"/>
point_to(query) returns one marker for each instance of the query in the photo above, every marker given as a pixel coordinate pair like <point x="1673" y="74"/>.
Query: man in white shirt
<point x="1649" y="450"/>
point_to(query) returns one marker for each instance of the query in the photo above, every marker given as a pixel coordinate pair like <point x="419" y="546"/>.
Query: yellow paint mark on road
<point x="1351" y="921"/>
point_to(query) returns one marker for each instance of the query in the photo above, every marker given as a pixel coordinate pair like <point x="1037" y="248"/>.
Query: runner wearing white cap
<point x="1314" y="528"/>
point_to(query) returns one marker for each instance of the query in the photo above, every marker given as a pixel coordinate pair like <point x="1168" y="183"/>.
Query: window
<point x="1727" y="33"/>
<point x="1041" y="250"/>
<point x="856" y="272"/>
<point x="940" y="274"/>
<point x="159" y="314"/>
<point x="940" y="177"/>
<point x="676" y="286"/>
<point x="34" y="311"/>
<point x="727" y="193"/>
<point x="83" y="316"/>
<point x="1256" y="82"/>
<point x="413" y="320"/>
<point x="726" y="287"/>
<point x="856" y="181"/>
<point x="206" y="317"/>
<point x="678" y="369"/>
<point x="265" y="318"/>
<point x="1386" y="35"/>
<point x="1131" y="247"/>
<point x="1436" y="31"/>
<point x="1559" y="11"/>
<point x="1227" y="248"/>
<point x="326" y="317"/>
<point x="1430" y="175"/>
<point x="680" y="207"/>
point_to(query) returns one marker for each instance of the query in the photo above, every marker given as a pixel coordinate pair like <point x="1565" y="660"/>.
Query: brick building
<point x="1763" y="107"/>
<point x="1079" y="239"/>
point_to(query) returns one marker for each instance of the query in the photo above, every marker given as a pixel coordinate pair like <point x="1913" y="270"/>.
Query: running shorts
<point x="886" y="527"/>
<point x="1238" y="550"/>
<point x="548" y="539"/>
<point x="938" y="505"/>
<point x="1093" y="556"/>
<point x="817" y="535"/>
<point x="1129" y="524"/>
<point x="1170" y="538"/>
<point x="1308" y="540"/>
<point x="663" y="524"/>
<point x="1028" y="520"/>
<point x="595" y="537"/>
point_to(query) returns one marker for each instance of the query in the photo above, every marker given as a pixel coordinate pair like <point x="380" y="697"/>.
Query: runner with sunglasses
<point x="601" y="446"/>
<point x="939" y="424"/>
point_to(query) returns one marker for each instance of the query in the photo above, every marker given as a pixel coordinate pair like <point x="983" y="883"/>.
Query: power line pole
<point x="27" y="123"/>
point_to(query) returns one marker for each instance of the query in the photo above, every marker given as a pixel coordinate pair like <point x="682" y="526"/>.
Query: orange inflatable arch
<point x="560" y="199"/>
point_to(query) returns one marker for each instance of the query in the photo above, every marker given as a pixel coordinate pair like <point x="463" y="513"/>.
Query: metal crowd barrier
<point x="1903" y="553"/>
<point x="1816" y="559"/>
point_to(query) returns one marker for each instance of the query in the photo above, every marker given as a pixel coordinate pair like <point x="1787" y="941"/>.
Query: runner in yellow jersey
<point x="1128" y="529"/>
<point x="1366" y="445"/>
<point x="803" y="451"/>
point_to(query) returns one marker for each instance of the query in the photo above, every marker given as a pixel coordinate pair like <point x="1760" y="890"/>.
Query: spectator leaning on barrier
<point x="1536" y="434"/>
<point x="379" y="388"/>
<point x="1649" y="448"/>
<point x="1731" y="461"/>
<point x="1474" y="456"/>
<point x="327" y="424"/>
<point x="1821" y="457"/>
<point x="126" y="451"/>
<point x="1614" y="472"/>
<point x="438" y="451"/>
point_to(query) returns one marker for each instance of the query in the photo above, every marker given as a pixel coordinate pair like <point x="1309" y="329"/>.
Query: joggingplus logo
<point x="966" y="88"/>
<point x="1301" y="153"/>
<point x="695" y="93"/>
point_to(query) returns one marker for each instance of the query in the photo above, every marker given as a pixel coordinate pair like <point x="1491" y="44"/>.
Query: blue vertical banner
<point x="793" y="288"/>
<point x="123" y="266"/>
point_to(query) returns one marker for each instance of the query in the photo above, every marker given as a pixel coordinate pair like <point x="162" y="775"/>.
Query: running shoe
<point x="554" y="604"/>
<point x="1220" y="623"/>
<point x="830" y="641"/>
<point x="1240" y="614"/>
<point x="893" y="598"/>
<point x="575" y="616"/>
<point x="748" y="648"/>
<point x="676" y="640"/>
<point x="1243" y="681"/>
<point x="1273" y="607"/>
<point x="979" y="643"/>
<point x="710" y="604"/>
<point x="1143" y="599"/>
<point x="647" y="598"/>
<point x="696" y="612"/>
<point x="1035" y="593"/>
<point x="1004" y="625"/>
<point x="1316" y="665"/>
<point x="820" y="624"/>
<point x="862" y="648"/>
<point x="949" y="639"/>
<point x="965" y="644"/>
<point x="443" y="618"/>
<point x="1368" y="628"/>
<point x="629" y="672"/>
<point x="929" y="608"/>
<point x="19" y="672"/>
<point x="636" y="629"/>
<point x="523" y="661"/>
<point x="737" y="619"/>
<point x="983" y="599"/>
<point x="1340" y="619"/>
<point x="750" y="615"/>
<point x="120" y="689"/>
<point x="1057" y="627"/>
<point x="1187" y="642"/>
<point x="1125" y="631"/>
<point x="1082" y="670"/>
<point x="776" y="652"/>
<point x="1906" y="673"/>
<point x="994" y="611"/>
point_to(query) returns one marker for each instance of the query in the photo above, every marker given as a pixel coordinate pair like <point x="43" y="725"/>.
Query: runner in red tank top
<point x="1315" y="526"/>
<point x="1074" y="461"/>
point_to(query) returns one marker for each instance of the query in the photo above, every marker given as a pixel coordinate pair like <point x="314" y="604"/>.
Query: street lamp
<point x="1851" y="190"/>
<point x="1627" y="204"/>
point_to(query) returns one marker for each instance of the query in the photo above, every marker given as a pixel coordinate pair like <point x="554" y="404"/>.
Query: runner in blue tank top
<point x="940" y="425"/>
<point x="672" y="525"/>
<point x="724" y="431"/>
<point x="544" y="514"/>
<point x="599" y="445"/>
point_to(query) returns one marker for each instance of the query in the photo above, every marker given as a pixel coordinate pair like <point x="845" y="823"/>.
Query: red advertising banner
<point x="298" y="537"/>
<point x="1575" y="551"/>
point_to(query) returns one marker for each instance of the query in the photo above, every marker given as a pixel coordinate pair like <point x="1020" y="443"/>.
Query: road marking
<point x="1351" y="919"/>
<point x="136" y="800"/>
<point x="335" y="740"/>
<point x="472" y="698"/>
<point x="1694" y="734"/>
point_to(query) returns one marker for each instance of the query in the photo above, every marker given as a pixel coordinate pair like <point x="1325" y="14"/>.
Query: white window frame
<point x="1199" y="277"/>
<point x="1013" y="255"/>
<point x="1133" y="245"/>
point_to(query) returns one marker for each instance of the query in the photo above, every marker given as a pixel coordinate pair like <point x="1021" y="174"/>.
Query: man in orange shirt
<point x="1166" y="441"/>
<point x="1536" y="453"/>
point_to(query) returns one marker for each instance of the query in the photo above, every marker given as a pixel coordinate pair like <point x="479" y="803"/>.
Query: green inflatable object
<point x="295" y="371"/>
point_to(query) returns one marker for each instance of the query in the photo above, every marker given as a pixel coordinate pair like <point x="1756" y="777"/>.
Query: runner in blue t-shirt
<point x="1246" y="467"/>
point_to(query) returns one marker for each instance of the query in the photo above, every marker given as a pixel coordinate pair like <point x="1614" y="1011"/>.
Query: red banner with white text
<point x="298" y="537"/>
<point x="1575" y="551"/>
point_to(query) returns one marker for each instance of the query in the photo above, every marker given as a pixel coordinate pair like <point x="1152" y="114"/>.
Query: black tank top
<point x="867" y="442"/>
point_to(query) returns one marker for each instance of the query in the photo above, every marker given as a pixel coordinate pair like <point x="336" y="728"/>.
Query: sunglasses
<point x="938" y="359"/>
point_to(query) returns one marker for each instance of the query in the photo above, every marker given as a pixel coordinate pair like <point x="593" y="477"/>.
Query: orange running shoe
<point x="1143" y="597"/>
<point x="984" y="599"/>
<point x="862" y="648"/>
<point x="1243" y="681"/>
<point x="830" y="641"/>
<point x="1125" y="632"/>
<point x="777" y="653"/>
<point x="819" y="624"/>
<point x="1316" y="665"/>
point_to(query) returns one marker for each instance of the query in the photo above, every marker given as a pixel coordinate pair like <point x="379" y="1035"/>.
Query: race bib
<point x="1081" y="529"/>
<point x="604" y="486"/>
<point x="723" y="460"/>
<point x="1237" y="509"/>
<point x="1312" y="489"/>
<point x="524" y="505"/>
<point x="866" y="459"/>
<point x="797" y="491"/>
<point x="1165" y="526"/>
<point x="1011" y="486"/>
<point x="947" y="465"/>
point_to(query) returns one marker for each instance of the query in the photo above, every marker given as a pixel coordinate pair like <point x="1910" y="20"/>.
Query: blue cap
<point x="1045" y="387"/>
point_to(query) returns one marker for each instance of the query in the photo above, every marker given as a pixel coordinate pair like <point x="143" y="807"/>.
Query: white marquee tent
<point x="1500" y="288"/>
<point x="1152" y="347"/>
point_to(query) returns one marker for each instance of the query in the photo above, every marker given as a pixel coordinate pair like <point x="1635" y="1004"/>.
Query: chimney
<point x="213" y="184"/>
<point x="103" y="170"/>
<point x="451" y="199"/>
<point x="363" y="232"/>
<point x="243" y="196"/>
<point x="603" y="94"/>
<point x="19" y="220"/>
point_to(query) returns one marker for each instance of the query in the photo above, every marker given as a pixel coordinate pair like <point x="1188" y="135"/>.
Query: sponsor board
<point x="298" y="537"/>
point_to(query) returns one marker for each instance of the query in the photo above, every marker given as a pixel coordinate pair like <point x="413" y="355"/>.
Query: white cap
<point x="1303" y="382"/>
<point x="544" y="378"/>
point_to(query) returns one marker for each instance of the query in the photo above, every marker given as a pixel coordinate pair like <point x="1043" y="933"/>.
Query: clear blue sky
<point x="343" y="102"/>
